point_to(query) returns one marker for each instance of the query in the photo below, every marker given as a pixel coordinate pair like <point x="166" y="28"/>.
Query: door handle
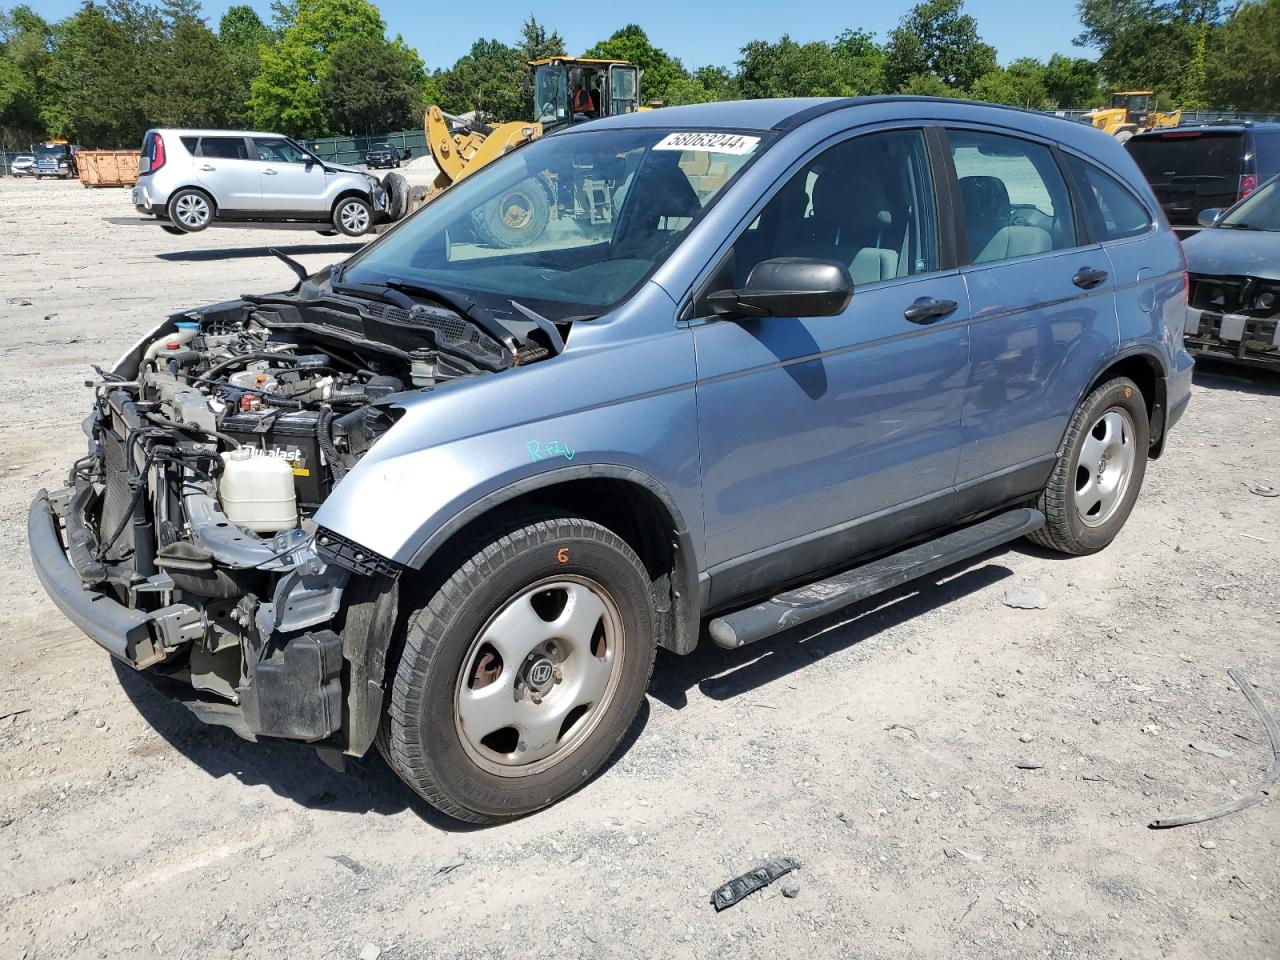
<point x="1087" y="278"/>
<point x="208" y="167"/>
<point x="269" y="172"/>
<point x="929" y="309"/>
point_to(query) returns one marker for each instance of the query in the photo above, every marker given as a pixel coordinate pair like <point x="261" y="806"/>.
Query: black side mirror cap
<point x="788" y="287"/>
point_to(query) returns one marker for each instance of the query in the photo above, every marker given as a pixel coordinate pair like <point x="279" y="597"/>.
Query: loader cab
<point x="613" y="87"/>
<point x="1136" y="104"/>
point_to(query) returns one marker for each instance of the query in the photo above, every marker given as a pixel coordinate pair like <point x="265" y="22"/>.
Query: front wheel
<point x="1099" y="472"/>
<point x="353" y="216"/>
<point x="522" y="671"/>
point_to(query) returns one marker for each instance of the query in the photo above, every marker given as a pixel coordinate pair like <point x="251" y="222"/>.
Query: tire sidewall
<point x="435" y="731"/>
<point x="173" y="205"/>
<point x="1125" y="395"/>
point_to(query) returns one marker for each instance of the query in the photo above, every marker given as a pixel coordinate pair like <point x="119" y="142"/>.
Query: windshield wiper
<point x="546" y="326"/>
<point x="1238" y="226"/>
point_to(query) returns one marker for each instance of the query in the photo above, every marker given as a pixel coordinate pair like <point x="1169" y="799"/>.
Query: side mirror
<point x="788" y="287"/>
<point x="1209" y="217"/>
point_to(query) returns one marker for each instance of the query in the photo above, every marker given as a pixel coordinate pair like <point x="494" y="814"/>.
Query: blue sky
<point x="697" y="33"/>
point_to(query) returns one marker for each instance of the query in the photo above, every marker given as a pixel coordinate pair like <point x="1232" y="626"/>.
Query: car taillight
<point x="157" y="153"/>
<point x="1248" y="184"/>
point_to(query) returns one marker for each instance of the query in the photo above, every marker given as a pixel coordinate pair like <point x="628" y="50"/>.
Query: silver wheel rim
<point x="1105" y="467"/>
<point x="539" y="676"/>
<point x="192" y="210"/>
<point x="354" y="217"/>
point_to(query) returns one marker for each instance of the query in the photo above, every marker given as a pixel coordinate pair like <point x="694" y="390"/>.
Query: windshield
<point x="569" y="225"/>
<point x="1260" y="211"/>
<point x="552" y="94"/>
<point x="51" y="150"/>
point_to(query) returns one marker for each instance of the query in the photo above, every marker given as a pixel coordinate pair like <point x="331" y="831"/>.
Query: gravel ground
<point x="884" y="750"/>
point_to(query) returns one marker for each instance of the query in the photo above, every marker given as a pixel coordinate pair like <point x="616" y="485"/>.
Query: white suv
<point x="190" y="178"/>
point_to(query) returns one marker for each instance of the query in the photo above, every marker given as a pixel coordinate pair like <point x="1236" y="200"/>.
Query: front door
<point x="293" y="183"/>
<point x="1043" y="301"/>
<point x="826" y="437"/>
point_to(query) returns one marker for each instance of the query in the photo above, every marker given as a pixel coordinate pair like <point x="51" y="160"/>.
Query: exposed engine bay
<point x="211" y="447"/>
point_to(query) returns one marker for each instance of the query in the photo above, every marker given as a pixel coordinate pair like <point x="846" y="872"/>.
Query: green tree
<point x="373" y="86"/>
<point x="286" y="95"/>
<point x="194" y="85"/>
<point x="1021" y="84"/>
<point x="242" y="35"/>
<point x="535" y="43"/>
<point x="1071" y="81"/>
<point x="937" y="37"/>
<point x="24" y="56"/>
<point x="664" y="76"/>
<point x="927" y="85"/>
<point x="1152" y="44"/>
<point x="487" y="79"/>
<point x="1244" y="65"/>
<point x="851" y="66"/>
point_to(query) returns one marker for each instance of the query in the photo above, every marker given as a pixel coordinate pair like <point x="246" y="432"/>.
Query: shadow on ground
<point x="1225" y="375"/>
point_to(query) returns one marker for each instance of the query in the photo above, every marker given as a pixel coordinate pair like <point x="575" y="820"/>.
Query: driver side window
<point x="866" y="203"/>
<point x="278" y="150"/>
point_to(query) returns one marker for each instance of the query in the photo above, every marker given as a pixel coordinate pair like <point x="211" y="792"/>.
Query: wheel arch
<point x="346" y="193"/>
<point x="624" y="499"/>
<point x="1147" y="370"/>
<point x="198" y="188"/>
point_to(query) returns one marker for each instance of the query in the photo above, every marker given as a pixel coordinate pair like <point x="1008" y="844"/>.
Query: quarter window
<point x="1115" y="211"/>
<point x="866" y="203"/>
<point x="1014" y="198"/>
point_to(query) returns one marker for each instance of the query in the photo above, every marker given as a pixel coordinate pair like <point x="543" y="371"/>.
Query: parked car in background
<point x="384" y="155"/>
<point x="57" y="158"/>
<point x="23" y="165"/>
<point x="1195" y="168"/>
<point x="450" y="496"/>
<point x="1234" y="264"/>
<point x="189" y="179"/>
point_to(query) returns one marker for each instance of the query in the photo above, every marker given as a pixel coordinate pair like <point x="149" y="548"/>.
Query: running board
<point x="809" y="602"/>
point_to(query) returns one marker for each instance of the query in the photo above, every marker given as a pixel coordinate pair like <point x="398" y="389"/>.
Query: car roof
<point x="1214" y="127"/>
<point x="790" y="112"/>
<point x="184" y="132"/>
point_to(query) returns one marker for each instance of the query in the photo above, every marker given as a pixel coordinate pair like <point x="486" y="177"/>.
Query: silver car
<point x="189" y="179"/>
<point x="23" y="165"/>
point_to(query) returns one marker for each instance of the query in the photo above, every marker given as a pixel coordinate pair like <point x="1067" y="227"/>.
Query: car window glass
<point x="279" y="150"/>
<point x="866" y="203"/>
<point x="1013" y="196"/>
<point x="1115" y="211"/>
<point x="1267" y="153"/>
<point x="223" y="148"/>
<point x="1192" y="157"/>
<point x="189" y="142"/>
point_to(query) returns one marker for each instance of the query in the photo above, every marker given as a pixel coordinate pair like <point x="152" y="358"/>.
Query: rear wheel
<point x="190" y="210"/>
<point x="1099" y="472"/>
<point x="353" y="216"/>
<point x="522" y="672"/>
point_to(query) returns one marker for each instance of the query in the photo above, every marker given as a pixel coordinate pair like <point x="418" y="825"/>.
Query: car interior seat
<point x="987" y="212"/>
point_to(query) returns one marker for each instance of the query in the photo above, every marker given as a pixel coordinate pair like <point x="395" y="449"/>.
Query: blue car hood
<point x="1234" y="253"/>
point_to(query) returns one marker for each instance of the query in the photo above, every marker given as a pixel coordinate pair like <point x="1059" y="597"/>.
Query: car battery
<point x="291" y="435"/>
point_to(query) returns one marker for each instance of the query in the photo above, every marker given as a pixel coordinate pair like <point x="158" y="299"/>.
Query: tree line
<point x="114" y="68"/>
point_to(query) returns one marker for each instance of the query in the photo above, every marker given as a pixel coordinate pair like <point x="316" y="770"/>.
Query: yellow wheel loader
<point x="1131" y="112"/>
<point x="565" y="91"/>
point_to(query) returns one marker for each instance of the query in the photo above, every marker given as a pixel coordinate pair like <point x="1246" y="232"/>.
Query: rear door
<point x="223" y="167"/>
<point x="825" y="437"/>
<point x="1191" y="170"/>
<point x="1043" y="302"/>
<point x="292" y="182"/>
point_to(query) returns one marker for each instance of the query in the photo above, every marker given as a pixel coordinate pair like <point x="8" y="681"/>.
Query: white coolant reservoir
<point x="257" y="491"/>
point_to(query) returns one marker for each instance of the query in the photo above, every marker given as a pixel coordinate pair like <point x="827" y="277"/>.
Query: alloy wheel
<point x="1105" y="467"/>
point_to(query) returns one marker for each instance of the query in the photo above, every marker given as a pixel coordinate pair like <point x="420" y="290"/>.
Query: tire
<point x="1099" y="472"/>
<point x="327" y="233"/>
<point x="190" y="210"/>
<point x="600" y="656"/>
<point x="1124" y="136"/>
<point x="170" y="228"/>
<point x="352" y="216"/>
<point x="397" y="189"/>
<point x="516" y="218"/>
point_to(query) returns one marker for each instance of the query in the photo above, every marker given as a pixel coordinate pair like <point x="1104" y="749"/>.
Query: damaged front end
<point x="1234" y="318"/>
<point x="184" y="542"/>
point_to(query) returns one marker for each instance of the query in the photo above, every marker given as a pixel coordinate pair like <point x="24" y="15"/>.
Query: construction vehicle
<point x="1131" y="112"/>
<point x="462" y="145"/>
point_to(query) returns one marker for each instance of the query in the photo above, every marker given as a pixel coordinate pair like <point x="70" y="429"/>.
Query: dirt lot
<point x="881" y="751"/>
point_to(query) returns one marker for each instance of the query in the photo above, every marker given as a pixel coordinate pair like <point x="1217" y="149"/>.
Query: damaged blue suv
<point x="713" y="370"/>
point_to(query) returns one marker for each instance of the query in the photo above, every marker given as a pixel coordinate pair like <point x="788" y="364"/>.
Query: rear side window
<point x="1113" y="210"/>
<point x="190" y="143"/>
<point x="1014" y="198"/>
<point x="223" y="148"/>
<point x="1189" y="156"/>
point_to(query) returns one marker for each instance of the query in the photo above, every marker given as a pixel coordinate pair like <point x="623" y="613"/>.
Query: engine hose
<point x="324" y="433"/>
<point x="208" y="375"/>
